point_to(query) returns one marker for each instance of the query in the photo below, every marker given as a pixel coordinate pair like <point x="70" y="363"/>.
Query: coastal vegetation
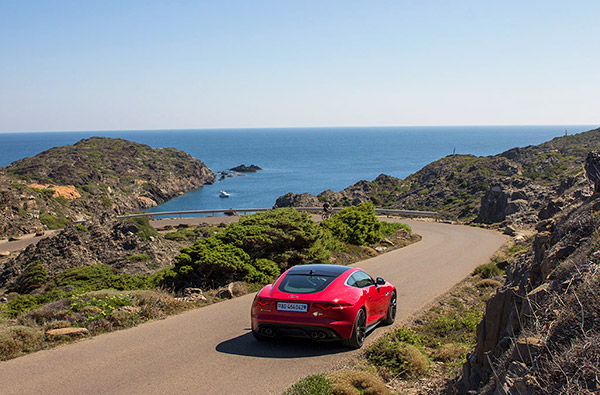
<point x="259" y="247"/>
<point x="99" y="297"/>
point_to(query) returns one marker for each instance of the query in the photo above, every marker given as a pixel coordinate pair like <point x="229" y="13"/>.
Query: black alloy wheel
<point x="391" y="313"/>
<point x="359" y="332"/>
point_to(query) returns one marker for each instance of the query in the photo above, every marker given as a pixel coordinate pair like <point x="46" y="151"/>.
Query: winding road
<point x="211" y="350"/>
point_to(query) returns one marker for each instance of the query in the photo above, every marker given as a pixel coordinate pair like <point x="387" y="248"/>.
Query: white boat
<point x="223" y="194"/>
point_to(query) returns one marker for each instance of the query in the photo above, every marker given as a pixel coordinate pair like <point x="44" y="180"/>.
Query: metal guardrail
<point x="235" y="211"/>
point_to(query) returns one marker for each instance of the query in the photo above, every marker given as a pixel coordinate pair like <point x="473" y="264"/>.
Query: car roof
<point x="319" y="270"/>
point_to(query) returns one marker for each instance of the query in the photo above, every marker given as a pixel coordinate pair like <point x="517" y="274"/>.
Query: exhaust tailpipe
<point x="322" y="335"/>
<point x="314" y="334"/>
<point x="267" y="331"/>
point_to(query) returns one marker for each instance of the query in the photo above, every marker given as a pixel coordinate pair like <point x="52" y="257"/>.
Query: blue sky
<point x="102" y="65"/>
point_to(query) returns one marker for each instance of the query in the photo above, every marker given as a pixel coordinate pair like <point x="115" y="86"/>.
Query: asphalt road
<point x="211" y="350"/>
<point x="22" y="242"/>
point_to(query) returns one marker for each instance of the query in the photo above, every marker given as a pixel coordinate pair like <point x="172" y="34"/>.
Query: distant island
<point x="246" y="169"/>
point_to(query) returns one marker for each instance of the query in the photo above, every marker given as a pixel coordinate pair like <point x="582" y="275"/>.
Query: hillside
<point x="517" y="185"/>
<point x="95" y="175"/>
<point x="541" y="329"/>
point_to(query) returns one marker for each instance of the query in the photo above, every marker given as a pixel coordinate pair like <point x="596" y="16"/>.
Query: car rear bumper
<point x="315" y="332"/>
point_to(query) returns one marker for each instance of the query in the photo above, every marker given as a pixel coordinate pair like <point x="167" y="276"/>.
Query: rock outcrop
<point x="246" y="169"/>
<point x="536" y="328"/>
<point x="300" y="200"/>
<point x="119" y="244"/>
<point x="95" y="175"/>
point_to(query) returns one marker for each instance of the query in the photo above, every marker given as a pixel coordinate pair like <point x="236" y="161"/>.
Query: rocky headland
<point x="94" y="176"/>
<point x="519" y="186"/>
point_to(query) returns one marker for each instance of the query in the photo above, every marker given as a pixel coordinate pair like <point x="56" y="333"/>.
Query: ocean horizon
<point x="300" y="159"/>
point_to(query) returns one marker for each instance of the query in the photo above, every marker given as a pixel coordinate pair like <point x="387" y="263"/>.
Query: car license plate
<point x="301" y="307"/>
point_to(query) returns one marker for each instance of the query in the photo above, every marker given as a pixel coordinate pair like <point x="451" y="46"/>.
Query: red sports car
<point x="323" y="302"/>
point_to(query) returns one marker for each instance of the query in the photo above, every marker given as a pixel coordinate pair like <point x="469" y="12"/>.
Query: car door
<point x="374" y="298"/>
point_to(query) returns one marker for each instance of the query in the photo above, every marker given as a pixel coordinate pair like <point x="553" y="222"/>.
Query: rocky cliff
<point x="517" y="186"/>
<point x="95" y="175"/>
<point x="541" y="330"/>
<point x="128" y="246"/>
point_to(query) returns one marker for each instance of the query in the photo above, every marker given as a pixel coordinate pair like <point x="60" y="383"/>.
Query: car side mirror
<point x="380" y="281"/>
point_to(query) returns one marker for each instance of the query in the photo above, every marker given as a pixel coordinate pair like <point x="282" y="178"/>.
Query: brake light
<point x="334" y="306"/>
<point x="262" y="302"/>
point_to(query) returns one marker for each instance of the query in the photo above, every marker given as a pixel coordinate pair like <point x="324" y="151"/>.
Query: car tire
<point x="392" y="308"/>
<point x="359" y="332"/>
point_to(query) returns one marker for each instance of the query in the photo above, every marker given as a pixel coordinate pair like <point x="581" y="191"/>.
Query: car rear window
<point x="304" y="283"/>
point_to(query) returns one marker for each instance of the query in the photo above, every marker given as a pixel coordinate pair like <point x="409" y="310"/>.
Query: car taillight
<point x="262" y="302"/>
<point x="334" y="306"/>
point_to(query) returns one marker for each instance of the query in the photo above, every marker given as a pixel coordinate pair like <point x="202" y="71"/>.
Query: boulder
<point x="514" y="381"/>
<point x="510" y="231"/>
<point x="225" y="292"/>
<point x="527" y="349"/>
<point x="387" y="241"/>
<point x="493" y="206"/>
<point x="297" y="200"/>
<point x="67" y="332"/>
<point x="549" y="210"/>
<point x="519" y="195"/>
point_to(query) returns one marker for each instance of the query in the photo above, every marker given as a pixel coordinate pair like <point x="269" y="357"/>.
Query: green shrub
<point x="454" y="326"/>
<point x="101" y="276"/>
<point x="24" y="303"/>
<point x="255" y="249"/>
<point x="106" y="201"/>
<point x="145" y="230"/>
<point x="181" y="235"/>
<point x="80" y="227"/>
<point x="152" y="265"/>
<point x="53" y="222"/>
<point x="311" y="385"/>
<point x="33" y="276"/>
<point x="355" y="225"/>
<point x="397" y="359"/>
<point x="358" y="225"/>
<point x="138" y="257"/>
<point x="405" y="335"/>
<point x="18" y="340"/>
<point x="487" y="270"/>
<point x="48" y="193"/>
<point x="389" y="228"/>
<point x="104" y="305"/>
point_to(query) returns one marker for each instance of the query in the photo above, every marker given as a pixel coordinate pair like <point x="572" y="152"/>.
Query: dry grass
<point x="397" y="359"/>
<point x="450" y="352"/>
<point x="356" y="382"/>
<point x="488" y="283"/>
<point x="19" y="340"/>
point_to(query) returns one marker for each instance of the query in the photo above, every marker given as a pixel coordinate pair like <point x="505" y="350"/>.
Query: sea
<point x="300" y="159"/>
